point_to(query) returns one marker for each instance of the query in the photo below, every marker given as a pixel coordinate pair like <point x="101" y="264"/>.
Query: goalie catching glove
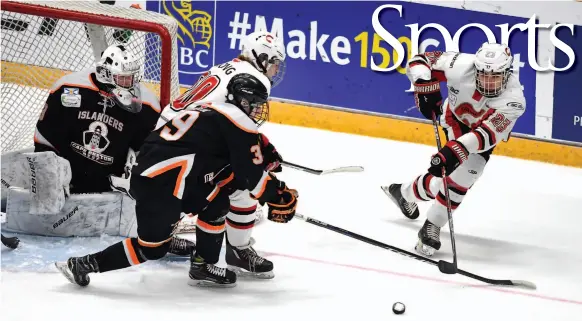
<point x="282" y="201"/>
<point x="449" y="157"/>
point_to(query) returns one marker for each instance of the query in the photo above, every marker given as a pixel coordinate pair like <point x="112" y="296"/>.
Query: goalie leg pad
<point x="14" y="172"/>
<point x="241" y="217"/>
<point x="459" y="182"/>
<point x="82" y="215"/>
<point x="50" y="176"/>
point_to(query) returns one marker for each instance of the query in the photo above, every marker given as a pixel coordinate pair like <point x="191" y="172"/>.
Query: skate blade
<point x="209" y="284"/>
<point x="424" y="249"/>
<point x="252" y="275"/>
<point x="63" y="267"/>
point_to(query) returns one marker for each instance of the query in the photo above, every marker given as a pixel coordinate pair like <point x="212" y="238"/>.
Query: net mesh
<point x="38" y="50"/>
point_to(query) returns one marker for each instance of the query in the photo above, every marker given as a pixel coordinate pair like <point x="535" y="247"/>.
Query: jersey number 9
<point x="179" y="125"/>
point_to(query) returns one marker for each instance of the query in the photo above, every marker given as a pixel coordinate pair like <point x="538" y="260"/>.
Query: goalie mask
<point x="493" y="66"/>
<point x="250" y="95"/>
<point x="120" y="70"/>
<point x="267" y="54"/>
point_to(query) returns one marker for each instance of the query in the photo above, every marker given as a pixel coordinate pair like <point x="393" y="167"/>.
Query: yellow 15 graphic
<point x="377" y="49"/>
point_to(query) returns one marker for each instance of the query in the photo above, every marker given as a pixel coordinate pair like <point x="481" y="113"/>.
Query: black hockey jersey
<point x="82" y="123"/>
<point x="210" y="144"/>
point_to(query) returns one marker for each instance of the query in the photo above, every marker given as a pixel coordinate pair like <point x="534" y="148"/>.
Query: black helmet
<point x="250" y="95"/>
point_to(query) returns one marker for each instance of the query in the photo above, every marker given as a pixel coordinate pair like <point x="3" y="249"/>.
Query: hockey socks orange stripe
<point x="119" y="256"/>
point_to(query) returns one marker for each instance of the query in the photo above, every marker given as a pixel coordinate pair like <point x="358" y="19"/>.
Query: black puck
<point x="398" y="308"/>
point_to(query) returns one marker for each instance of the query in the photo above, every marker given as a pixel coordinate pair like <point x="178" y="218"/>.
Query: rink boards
<point x="389" y="127"/>
<point x="413" y="131"/>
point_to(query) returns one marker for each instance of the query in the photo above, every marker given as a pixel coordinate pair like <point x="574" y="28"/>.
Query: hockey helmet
<point x="267" y="54"/>
<point x="493" y="65"/>
<point x="121" y="71"/>
<point x="250" y="95"/>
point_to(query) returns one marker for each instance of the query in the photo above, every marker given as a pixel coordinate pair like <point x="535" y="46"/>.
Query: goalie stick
<point x="522" y="283"/>
<point x="345" y="169"/>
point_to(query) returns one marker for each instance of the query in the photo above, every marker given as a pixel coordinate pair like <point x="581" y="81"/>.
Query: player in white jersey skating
<point x="262" y="56"/>
<point x="484" y="101"/>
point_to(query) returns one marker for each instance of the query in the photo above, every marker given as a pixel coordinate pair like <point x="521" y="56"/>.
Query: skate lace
<point x="87" y="264"/>
<point x="251" y="255"/>
<point x="213" y="269"/>
<point x="433" y="231"/>
<point x="410" y="206"/>
<point x="178" y="244"/>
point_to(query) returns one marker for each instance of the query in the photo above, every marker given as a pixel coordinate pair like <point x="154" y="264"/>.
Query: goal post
<point x="45" y="40"/>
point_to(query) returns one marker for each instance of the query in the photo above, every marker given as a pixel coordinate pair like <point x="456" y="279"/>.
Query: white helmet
<point x="493" y="64"/>
<point x="267" y="54"/>
<point x="121" y="71"/>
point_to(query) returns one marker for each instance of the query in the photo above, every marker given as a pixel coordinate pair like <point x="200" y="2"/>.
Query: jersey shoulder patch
<point x="236" y="116"/>
<point x="79" y="79"/>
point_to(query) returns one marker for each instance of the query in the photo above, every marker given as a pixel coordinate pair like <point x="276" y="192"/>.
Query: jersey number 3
<point x="179" y="125"/>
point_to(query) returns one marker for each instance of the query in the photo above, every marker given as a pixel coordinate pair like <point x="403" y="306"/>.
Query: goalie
<point x="84" y="143"/>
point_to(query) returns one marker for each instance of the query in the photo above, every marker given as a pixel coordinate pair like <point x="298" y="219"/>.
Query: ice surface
<point x="520" y="221"/>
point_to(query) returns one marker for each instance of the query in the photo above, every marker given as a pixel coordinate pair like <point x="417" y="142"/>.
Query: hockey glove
<point x="271" y="158"/>
<point x="282" y="209"/>
<point x="428" y="98"/>
<point x="449" y="157"/>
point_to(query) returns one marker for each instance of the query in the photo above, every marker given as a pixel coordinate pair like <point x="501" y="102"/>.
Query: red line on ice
<point x="427" y="278"/>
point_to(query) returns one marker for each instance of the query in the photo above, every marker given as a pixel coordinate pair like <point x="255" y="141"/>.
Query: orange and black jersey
<point x="210" y="145"/>
<point x="81" y="123"/>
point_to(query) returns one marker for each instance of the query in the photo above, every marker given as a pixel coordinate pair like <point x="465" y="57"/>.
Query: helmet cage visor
<point x="491" y="84"/>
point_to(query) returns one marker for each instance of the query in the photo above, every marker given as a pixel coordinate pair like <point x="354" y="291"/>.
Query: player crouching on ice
<point x="84" y="144"/>
<point x="484" y="101"/>
<point x="262" y="55"/>
<point x="189" y="164"/>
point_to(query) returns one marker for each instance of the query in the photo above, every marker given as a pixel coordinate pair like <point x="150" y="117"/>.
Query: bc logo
<point x="194" y="37"/>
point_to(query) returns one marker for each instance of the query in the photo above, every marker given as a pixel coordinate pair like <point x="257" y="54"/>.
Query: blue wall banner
<point x="567" y="119"/>
<point x="329" y="56"/>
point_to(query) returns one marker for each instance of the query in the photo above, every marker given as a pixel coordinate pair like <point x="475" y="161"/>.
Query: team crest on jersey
<point x="107" y="102"/>
<point x="71" y="98"/>
<point x="95" y="142"/>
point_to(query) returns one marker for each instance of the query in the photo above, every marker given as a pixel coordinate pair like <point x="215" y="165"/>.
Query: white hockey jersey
<point x="211" y="87"/>
<point x="490" y="119"/>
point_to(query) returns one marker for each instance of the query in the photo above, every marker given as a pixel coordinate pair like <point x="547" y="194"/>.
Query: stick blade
<point x="525" y="284"/>
<point x="345" y="169"/>
<point x="447" y="267"/>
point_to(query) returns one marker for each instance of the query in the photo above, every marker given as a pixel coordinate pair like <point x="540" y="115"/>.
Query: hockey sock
<point x="120" y="255"/>
<point x="437" y="213"/>
<point x="209" y="237"/>
<point x="239" y="225"/>
<point x="423" y="188"/>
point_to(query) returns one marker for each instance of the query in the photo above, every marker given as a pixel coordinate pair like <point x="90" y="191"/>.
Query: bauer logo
<point x="195" y="36"/>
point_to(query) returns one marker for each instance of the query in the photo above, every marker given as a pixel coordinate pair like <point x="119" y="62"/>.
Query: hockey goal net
<point x="44" y="40"/>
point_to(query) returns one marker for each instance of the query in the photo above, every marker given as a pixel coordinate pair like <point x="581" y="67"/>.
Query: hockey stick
<point x="444" y="266"/>
<point x="525" y="284"/>
<point x="345" y="169"/>
<point x="10" y="242"/>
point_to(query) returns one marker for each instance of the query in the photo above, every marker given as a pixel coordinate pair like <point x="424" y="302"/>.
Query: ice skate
<point x="209" y="275"/>
<point x="409" y="209"/>
<point x="428" y="239"/>
<point x="245" y="262"/>
<point x="181" y="247"/>
<point x="77" y="269"/>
